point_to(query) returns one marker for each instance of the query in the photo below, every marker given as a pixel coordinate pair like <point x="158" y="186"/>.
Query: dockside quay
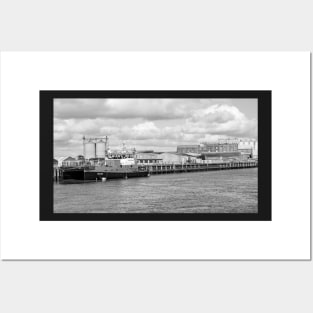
<point x="100" y="163"/>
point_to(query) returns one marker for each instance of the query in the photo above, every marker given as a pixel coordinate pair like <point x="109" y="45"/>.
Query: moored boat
<point x="113" y="168"/>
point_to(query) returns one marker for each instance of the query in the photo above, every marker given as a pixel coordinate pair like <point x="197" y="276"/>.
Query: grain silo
<point x="100" y="149"/>
<point x="90" y="149"/>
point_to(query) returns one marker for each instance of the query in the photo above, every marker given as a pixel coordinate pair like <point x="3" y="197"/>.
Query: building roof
<point x="191" y="154"/>
<point x="148" y="156"/>
<point x="65" y="158"/>
<point x="217" y="154"/>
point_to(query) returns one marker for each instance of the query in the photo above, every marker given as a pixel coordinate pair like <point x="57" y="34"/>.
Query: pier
<point x="181" y="168"/>
<point x="100" y="162"/>
<point x="155" y="169"/>
<point x="57" y="173"/>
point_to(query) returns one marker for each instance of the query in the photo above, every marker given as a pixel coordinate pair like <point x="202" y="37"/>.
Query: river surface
<point x="229" y="191"/>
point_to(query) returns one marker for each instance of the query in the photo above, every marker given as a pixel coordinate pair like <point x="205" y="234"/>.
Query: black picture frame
<point x="264" y="97"/>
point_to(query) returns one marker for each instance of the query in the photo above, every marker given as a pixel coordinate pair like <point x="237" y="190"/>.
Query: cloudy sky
<point x="154" y="124"/>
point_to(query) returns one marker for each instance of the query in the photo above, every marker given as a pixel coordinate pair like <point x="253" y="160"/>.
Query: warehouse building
<point x="188" y="149"/>
<point x="148" y="158"/>
<point x="69" y="161"/>
<point x="223" y="156"/>
<point x="166" y="158"/>
<point x="248" y="146"/>
<point x="173" y="158"/>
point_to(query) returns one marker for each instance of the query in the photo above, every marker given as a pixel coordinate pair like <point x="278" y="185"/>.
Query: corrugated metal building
<point x="173" y="158"/>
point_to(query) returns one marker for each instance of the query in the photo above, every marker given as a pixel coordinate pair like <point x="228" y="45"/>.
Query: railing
<point x="176" y="168"/>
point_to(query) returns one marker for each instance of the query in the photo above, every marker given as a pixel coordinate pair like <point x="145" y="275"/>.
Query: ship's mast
<point x="84" y="148"/>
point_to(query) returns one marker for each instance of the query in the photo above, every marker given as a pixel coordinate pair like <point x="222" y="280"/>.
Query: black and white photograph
<point x="156" y="157"/>
<point x="181" y="170"/>
<point x="159" y="155"/>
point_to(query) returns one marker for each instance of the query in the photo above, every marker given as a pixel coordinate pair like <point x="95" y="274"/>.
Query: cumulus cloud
<point x="78" y="108"/>
<point x="159" y="124"/>
<point x="148" y="109"/>
<point x="148" y="130"/>
<point x="221" y="119"/>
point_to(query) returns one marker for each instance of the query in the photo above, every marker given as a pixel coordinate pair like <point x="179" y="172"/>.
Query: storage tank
<point x="100" y="149"/>
<point x="90" y="150"/>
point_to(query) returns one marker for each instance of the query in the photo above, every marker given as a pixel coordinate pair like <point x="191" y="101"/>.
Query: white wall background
<point x="38" y="286"/>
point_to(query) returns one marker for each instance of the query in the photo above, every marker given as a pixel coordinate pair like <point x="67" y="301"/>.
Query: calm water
<point x="230" y="191"/>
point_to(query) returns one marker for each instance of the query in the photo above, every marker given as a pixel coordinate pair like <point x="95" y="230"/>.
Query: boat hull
<point x="81" y="175"/>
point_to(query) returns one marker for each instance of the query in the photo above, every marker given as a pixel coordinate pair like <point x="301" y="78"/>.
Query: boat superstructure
<point x="117" y="164"/>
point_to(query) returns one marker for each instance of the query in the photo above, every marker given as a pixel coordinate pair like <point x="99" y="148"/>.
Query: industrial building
<point x="166" y="158"/>
<point x="188" y="148"/>
<point x="249" y="146"/>
<point x="245" y="148"/>
<point x="208" y="147"/>
<point x="219" y="147"/>
<point x="224" y="156"/>
<point x="245" y="145"/>
<point x="173" y="158"/>
<point x="148" y="158"/>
